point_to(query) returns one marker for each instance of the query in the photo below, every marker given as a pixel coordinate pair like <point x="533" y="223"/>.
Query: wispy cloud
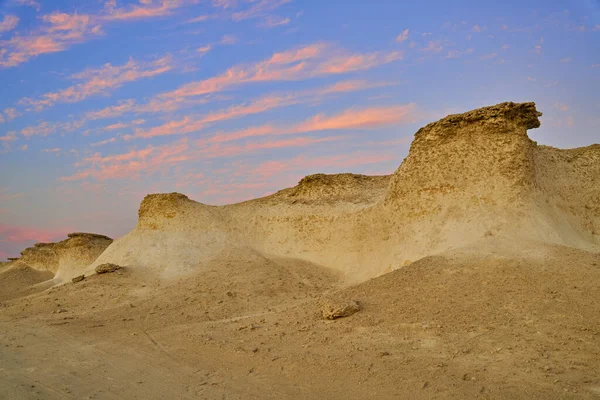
<point x="100" y="80"/>
<point x="272" y="21"/>
<point x="147" y="9"/>
<point x="8" y="23"/>
<point x="151" y="159"/>
<point x="433" y="46"/>
<point x="258" y="8"/>
<point x="23" y="234"/>
<point x="131" y="164"/>
<point x="46" y="128"/>
<point x="403" y="36"/>
<point x="298" y="64"/>
<point x="458" y="53"/>
<point x="30" y="3"/>
<point x="565" y="60"/>
<point x="537" y="48"/>
<point x="188" y="124"/>
<point x="59" y="32"/>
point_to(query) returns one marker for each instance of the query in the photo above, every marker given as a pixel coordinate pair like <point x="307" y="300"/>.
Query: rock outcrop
<point x="468" y="177"/>
<point x="67" y="258"/>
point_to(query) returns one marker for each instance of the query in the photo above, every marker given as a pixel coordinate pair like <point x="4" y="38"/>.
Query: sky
<point x="105" y="101"/>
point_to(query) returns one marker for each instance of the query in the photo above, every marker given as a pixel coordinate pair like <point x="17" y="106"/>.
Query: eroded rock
<point x="107" y="268"/>
<point x="334" y="309"/>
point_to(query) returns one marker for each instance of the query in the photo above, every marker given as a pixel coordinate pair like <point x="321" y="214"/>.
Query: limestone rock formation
<point x="467" y="177"/>
<point x="65" y="259"/>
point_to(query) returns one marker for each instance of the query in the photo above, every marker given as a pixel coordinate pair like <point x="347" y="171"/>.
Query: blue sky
<point x="226" y="100"/>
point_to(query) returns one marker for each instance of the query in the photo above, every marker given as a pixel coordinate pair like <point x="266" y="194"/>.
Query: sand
<point x="473" y="271"/>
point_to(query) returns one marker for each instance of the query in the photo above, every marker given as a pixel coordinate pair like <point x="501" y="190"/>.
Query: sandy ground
<point x="460" y="325"/>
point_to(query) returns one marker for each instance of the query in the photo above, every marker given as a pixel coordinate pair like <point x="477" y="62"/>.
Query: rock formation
<point x="67" y="258"/>
<point x="467" y="177"/>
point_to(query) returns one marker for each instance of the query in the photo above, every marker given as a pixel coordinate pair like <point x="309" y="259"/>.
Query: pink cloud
<point x="403" y="36"/>
<point x="47" y="128"/>
<point x="31" y="3"/>
<point x="269" y="169"/>
<point x="19" y="234"/>
<point x="99" y="80"/>
<point x="350" y="119"/>
<point x="9" y="23"/>
<point x="59" y="32"/>
<point x="131" y="164"/>
<point x="298" y="64"/>
<point x="259" y="9"/>
<point x="359" y="119"/>
<point x="112" y="111"/>
<point x="262" y="104"/>
<point x="146" y="10"/>
<point x="272" y="21"/>
<point x="433" y="47"/>
<point x="218" y="150"/>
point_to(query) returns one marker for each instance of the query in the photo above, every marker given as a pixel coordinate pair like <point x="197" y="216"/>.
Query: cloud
<point x="187" y="124"/>
<point x="46" y="128"/>
<point x="358" y="119"/>
<point x="146" y="161"/>
<point x="298" y="64"/>
<point x="200" y="18"/>
<point x="457" y="53"/>
<point x="403" y="36"/>
<point x="30" y="3"/>
<point x="8" y="23"/>
<point x="259" y="9"/>
<point x="146" y="10"/>
<point x="478" y="28"/>
<point x="228" y="39"/>
<point x="225" y="4"/>
<point x="53" y="150"/>
<point x="565" y="60"/>
<point x="204" y="49"/>
<point x="433" y="46"/>
<point x="489" y="56"/>
<point x="100" y="80"/>
<point x="11" y="113"/>
<point x="24" y="147"/>
<point x="59" y="32"/>
<point x="131" y="164"/>
<point x="561" y="107"/>
<point x="537" y="49"/>
<point x="269" y="169"/>
<point x="112" y="111"/>
<point x="272" y="21"/>
<point x="20" y="234"/>
<point x="103" y="142"/>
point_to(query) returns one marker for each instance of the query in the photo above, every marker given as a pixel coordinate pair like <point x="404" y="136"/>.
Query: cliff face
<point x="66" y="258"/>
<point x="468" y="178"/>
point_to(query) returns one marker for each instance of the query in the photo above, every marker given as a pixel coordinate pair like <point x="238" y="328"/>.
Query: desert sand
<point x="473" y="271"/>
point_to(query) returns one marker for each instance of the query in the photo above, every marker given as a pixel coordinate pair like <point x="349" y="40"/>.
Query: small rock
<point x="78" y="278"/>
<point x="334" y="310"/>
<point x="107" y="268"/>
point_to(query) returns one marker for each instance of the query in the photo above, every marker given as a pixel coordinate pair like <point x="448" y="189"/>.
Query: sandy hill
<point x="475" y="267"/>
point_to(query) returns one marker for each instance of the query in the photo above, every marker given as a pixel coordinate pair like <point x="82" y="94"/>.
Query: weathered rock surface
<point x="107" y="268"/>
